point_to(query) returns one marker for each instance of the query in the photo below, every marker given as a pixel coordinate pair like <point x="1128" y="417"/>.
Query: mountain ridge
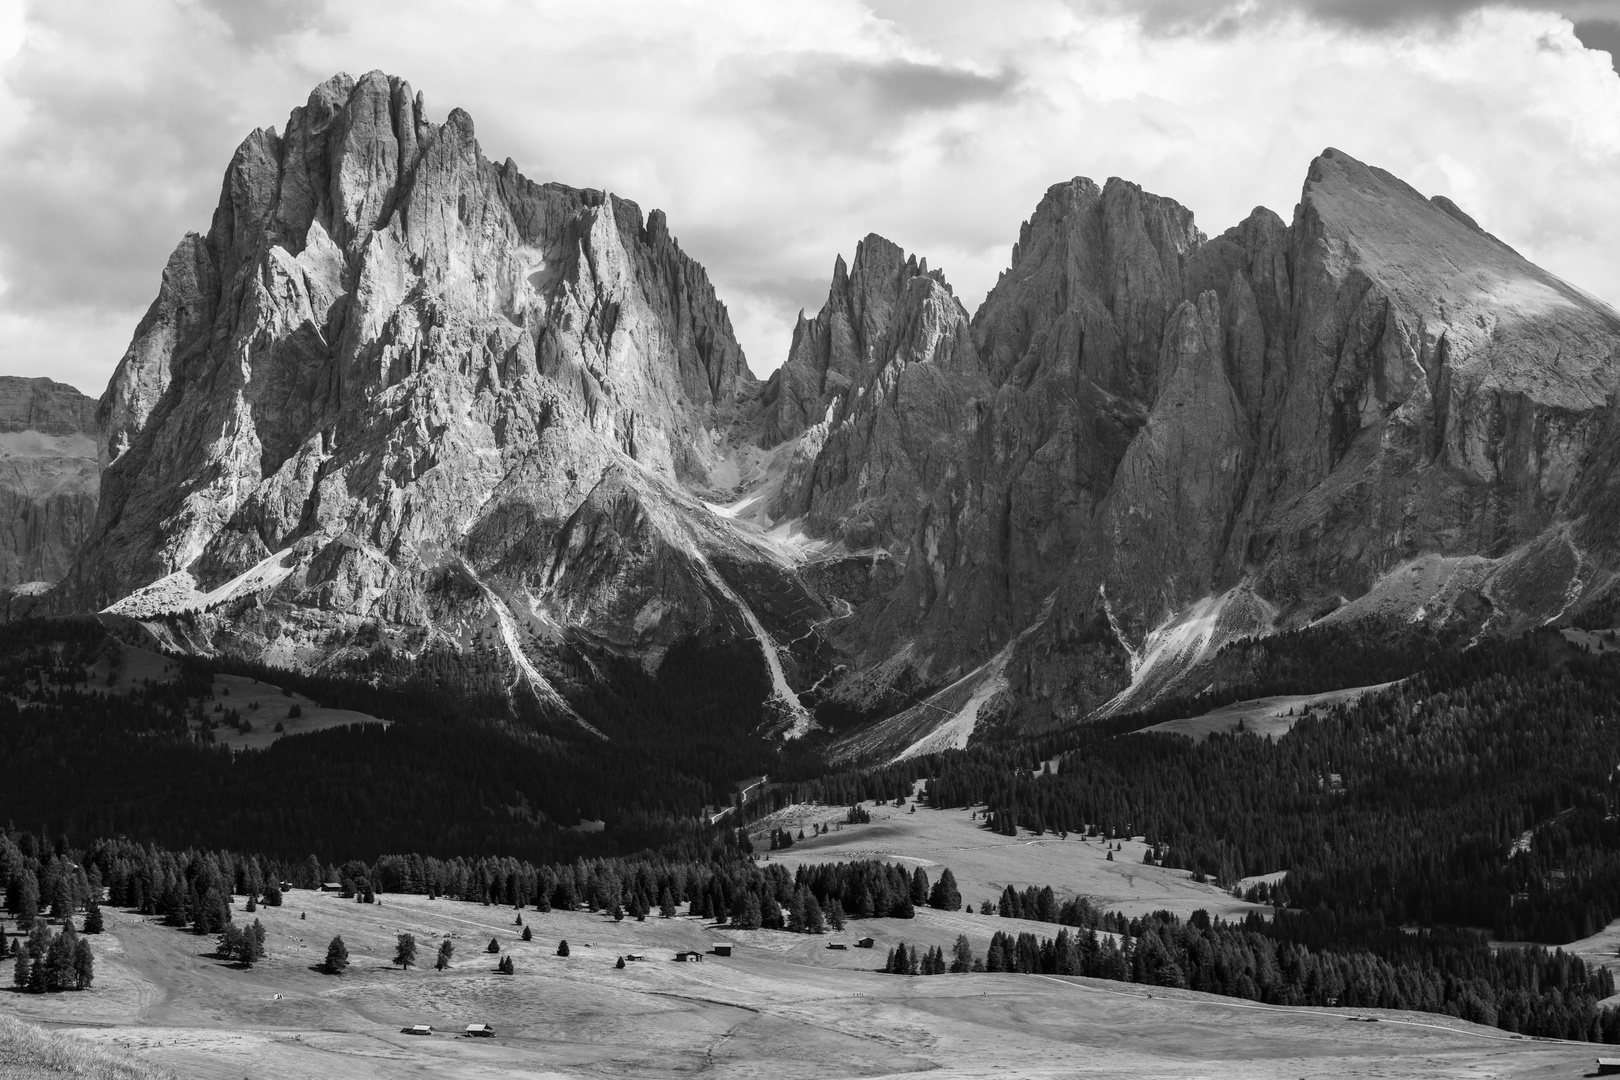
<point x="401" y="398"/>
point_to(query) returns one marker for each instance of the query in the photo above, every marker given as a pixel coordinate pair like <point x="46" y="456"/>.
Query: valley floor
<point x="784" y="1006"/>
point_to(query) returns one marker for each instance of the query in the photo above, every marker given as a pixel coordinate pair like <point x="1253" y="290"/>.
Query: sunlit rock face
<point x="401" y="398"/>
<point x="49" y="478"/>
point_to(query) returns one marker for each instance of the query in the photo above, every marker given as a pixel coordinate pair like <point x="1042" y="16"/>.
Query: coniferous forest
<point x="1473" y="798"/>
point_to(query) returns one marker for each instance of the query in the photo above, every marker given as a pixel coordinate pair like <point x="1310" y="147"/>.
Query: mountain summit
<point x="401" y="399"/>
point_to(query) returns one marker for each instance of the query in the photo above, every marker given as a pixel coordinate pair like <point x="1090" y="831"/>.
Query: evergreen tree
<point x="962" y="955"/>
<point x="337" y="956"/>
<point x="22" y="898"/>
<point x="405" y="951"/>
<point x="506" y="967"/>
<point x="93" y="922"/>
<point x="667" y="908"/>
<point x="20" y="970"/>
<point x="253" y="944"/>
<point x="919" y="887"/>
<point x="230" y="942"/>
<point x="446" y="951"/>
<point x="562" y="947"/>
<point x="835" y="914"/>
<point x="528" y="934"/>
<point x="945" y="896"/>
<point x="493" y="946"/>
<point x="84" y="965"/>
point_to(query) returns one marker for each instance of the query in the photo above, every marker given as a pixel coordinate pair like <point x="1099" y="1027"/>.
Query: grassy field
<point x="784" y="1006"/>
<point x="262" y="704"/>
<point x="1271" y="717"/>
<point x="985" y="862"/>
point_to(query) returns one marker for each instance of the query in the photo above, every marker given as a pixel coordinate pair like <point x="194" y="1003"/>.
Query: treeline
<point x="464" y="767"/>
<point x="1478" y="792"/>
<point x="1527" y="989"/>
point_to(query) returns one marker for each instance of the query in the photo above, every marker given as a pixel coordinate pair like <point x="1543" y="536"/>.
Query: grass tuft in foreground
<point x="27" y="1052"/>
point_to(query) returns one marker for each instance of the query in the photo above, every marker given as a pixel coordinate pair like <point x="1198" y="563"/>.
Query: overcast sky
<point x="775" y="135"/>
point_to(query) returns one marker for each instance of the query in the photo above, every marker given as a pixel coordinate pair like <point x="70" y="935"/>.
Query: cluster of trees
<point x="48" y="963"/>
<point x="242" y="945"/>
<point x="912" y="961"/>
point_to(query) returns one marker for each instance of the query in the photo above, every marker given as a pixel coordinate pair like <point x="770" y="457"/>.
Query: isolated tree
<point x="506" y="967"/>
<point x="945" y="896"/>
<point x="405" y="952"/>
<point x="562" y="947"/>
<point x="620" y="964"/>
<point x="528" y="934"/>
<point x="519" y="919"/>
<point x="962" y="954"/>
<point x="337" y="956"/>
<point x="84" y="964"/>
<point x="493" y="946"/>
<point x="446" y="951"/>
<point x="93" y="922"/>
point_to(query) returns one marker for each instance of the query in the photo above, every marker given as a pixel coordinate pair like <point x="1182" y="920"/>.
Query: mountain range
<point x="400" y="399"/>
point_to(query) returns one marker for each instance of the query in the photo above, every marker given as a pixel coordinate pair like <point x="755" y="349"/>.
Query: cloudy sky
<point x="775" y="135"/>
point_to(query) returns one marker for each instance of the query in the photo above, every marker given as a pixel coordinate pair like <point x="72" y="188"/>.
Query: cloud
<point x="776" y="136"/>
<point x="1602" y="35"/>
<point x="1225" y="16"/>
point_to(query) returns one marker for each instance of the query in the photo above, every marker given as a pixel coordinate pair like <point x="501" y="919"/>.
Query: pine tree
<point x="562" y="947"/>
<point x="528" y="934"/>
<point x="506" y="967"/>
<point x="230" y="942"/>
<point x="337" y="956"/>
<point x="962" y="955"/>
<point x="20" y="971"/>
<point x="835" y="914"/>
<point x="253" y="944"/>
<point x="493" y="946"/>
<point x="84" y="965"/>
<point x="93" y="921"/>
<point x="405" y="951"/>
<point x="446" y="951"/>
<point x="945" y="896"/>
<point x="667" y="907"/>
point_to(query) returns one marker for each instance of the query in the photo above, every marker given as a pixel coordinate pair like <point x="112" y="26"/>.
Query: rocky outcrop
<point x="402" y="394"/>
<point x="1193" y="440"/>
<point x="401" y="398"/>
<point x="49" y="478"/>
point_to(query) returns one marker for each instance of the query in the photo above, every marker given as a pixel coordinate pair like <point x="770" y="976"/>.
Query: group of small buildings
<point x="474" y="1031"/>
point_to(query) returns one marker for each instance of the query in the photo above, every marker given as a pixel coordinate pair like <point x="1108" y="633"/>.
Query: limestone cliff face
<point x="400" y="397"/>
<point x="1377" y="409"/>
<point x="399" y="389"/>
<point x="49" y="478"/>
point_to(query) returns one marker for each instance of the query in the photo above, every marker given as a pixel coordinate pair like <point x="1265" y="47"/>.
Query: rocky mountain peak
<point x="400" y="398"/>
<point x="831" y="352"/>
